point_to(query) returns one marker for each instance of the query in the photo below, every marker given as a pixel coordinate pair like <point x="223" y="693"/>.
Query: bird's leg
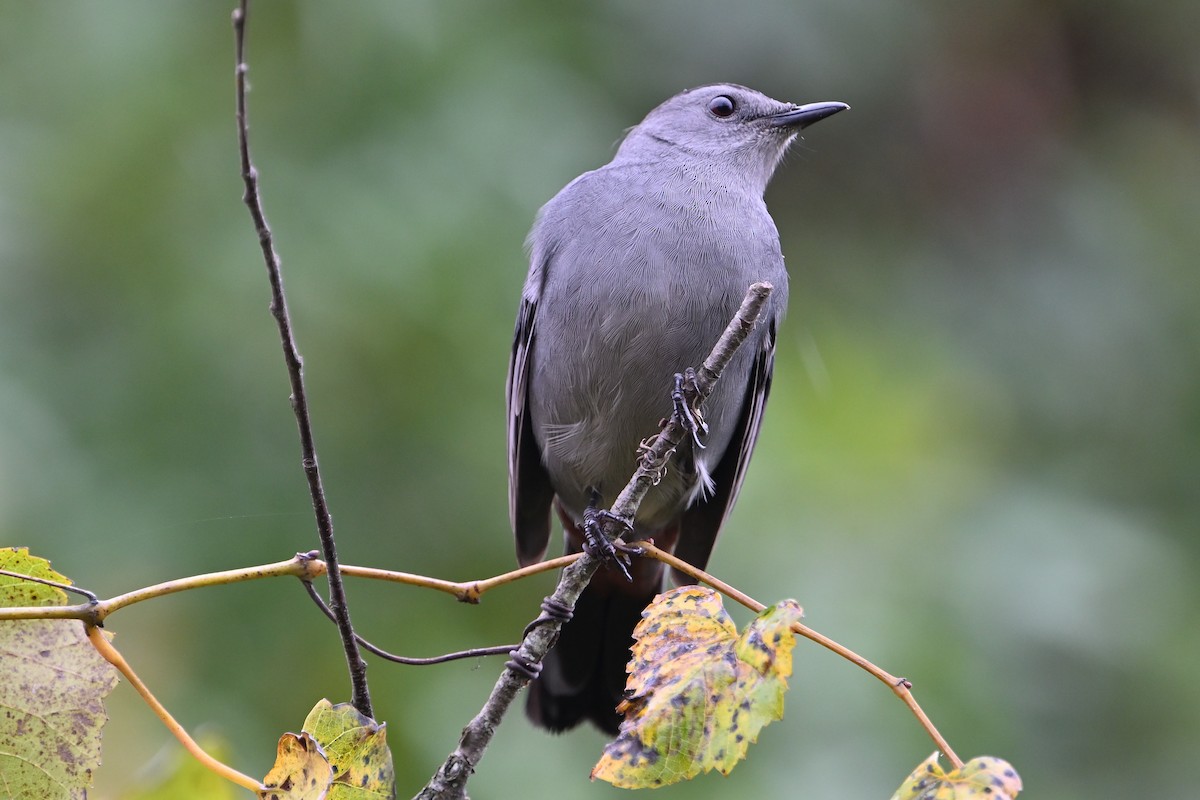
<point x="684" y="397"/>
<point x="597" y="545"/>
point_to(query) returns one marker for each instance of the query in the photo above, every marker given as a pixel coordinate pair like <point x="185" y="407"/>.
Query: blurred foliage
<point x="175" y="775"/>
<point x="979" y="468"/>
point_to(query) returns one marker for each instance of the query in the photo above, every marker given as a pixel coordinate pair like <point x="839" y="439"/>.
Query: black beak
<point x="802" y="116"/>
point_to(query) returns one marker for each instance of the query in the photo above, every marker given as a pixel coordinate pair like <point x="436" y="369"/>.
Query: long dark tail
<point x="583" y="676"/>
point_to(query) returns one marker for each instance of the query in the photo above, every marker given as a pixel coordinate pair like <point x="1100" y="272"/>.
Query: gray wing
<point x="702" y="521"/>
<point x="529" y="491"/>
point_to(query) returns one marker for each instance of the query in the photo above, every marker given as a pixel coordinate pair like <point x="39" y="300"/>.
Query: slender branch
<point x="900" y="686"/>
<point x="450" y="780"/>
<point x="498" y="650"/>
<point x="112" y="656"/>
<point x="475" y="589"/>
<point x="305" y="566"/>
<point x="301" y="566"/>
<point x="279" y="310"/>
<point x="458" y="655"/>
<point x="651" y="551"/>
<point x="466" y="591"/>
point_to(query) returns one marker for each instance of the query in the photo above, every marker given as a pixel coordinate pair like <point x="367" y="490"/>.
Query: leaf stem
<point x="112" y="656"/>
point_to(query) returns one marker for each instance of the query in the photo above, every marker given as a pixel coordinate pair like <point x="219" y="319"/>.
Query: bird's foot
<point x="597" y="545"/>
<point x="684" y="396"/>
<point x="654" y="465"/>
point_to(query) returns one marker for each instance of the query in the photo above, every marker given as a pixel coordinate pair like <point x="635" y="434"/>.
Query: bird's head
<point x="724" y="124"/>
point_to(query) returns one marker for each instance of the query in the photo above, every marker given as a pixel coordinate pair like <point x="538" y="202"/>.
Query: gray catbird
<point x="635" y="269"/>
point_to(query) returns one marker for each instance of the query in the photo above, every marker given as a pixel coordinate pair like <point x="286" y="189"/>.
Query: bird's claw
<point x="597" y="545"/>
<point x="656" y="466"/>
<point x="684" y="397"/>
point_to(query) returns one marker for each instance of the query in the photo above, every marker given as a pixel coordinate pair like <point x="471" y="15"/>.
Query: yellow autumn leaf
<point x="301" y="771"/>
<point x="698" y="694"/>
<point x="979" y="779"/>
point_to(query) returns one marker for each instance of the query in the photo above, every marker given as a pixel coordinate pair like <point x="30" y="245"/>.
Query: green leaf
<point x="51" y="696"/>
<point x="341" y="755"/>
<point x="698" y="694"/>
<point x="982" y="778"/>
<point x="16" y="592"/>
<point x="356" y="747"/>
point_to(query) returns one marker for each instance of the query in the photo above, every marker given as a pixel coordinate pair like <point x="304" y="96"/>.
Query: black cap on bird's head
<point x="724" y="123"/>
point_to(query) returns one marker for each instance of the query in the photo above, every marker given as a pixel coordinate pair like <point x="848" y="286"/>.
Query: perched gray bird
<point x="635" y="269"/>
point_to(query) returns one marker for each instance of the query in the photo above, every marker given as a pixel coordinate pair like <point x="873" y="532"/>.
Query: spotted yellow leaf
<point x="356" y="747"/>
<point x="18" y="592"/>
<point x="698" y="693"/>
<point x="301" y="771"/>
<point x="983" y="778"/>
<point x="52" y="689"/>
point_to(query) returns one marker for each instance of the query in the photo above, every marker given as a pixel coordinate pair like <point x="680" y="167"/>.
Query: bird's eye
<point x="721" y="106"/>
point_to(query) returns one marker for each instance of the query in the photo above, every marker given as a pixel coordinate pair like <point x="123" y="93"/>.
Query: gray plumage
<point x="635" y="269"/>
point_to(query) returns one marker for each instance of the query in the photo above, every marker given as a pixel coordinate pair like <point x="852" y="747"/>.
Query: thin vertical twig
<point x="295" y="369"/>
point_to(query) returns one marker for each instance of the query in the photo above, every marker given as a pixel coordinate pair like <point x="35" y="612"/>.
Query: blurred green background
<point x="980" y="467"/>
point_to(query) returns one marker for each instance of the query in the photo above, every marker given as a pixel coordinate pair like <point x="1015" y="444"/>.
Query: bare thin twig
<point x="66" y="587"/>
<point x="450" y="780"/>
<point x="474" y="652"/>
<point x="458" y="655"/>
<point x="279" y="310"/>
<point x="899" y="686"/>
